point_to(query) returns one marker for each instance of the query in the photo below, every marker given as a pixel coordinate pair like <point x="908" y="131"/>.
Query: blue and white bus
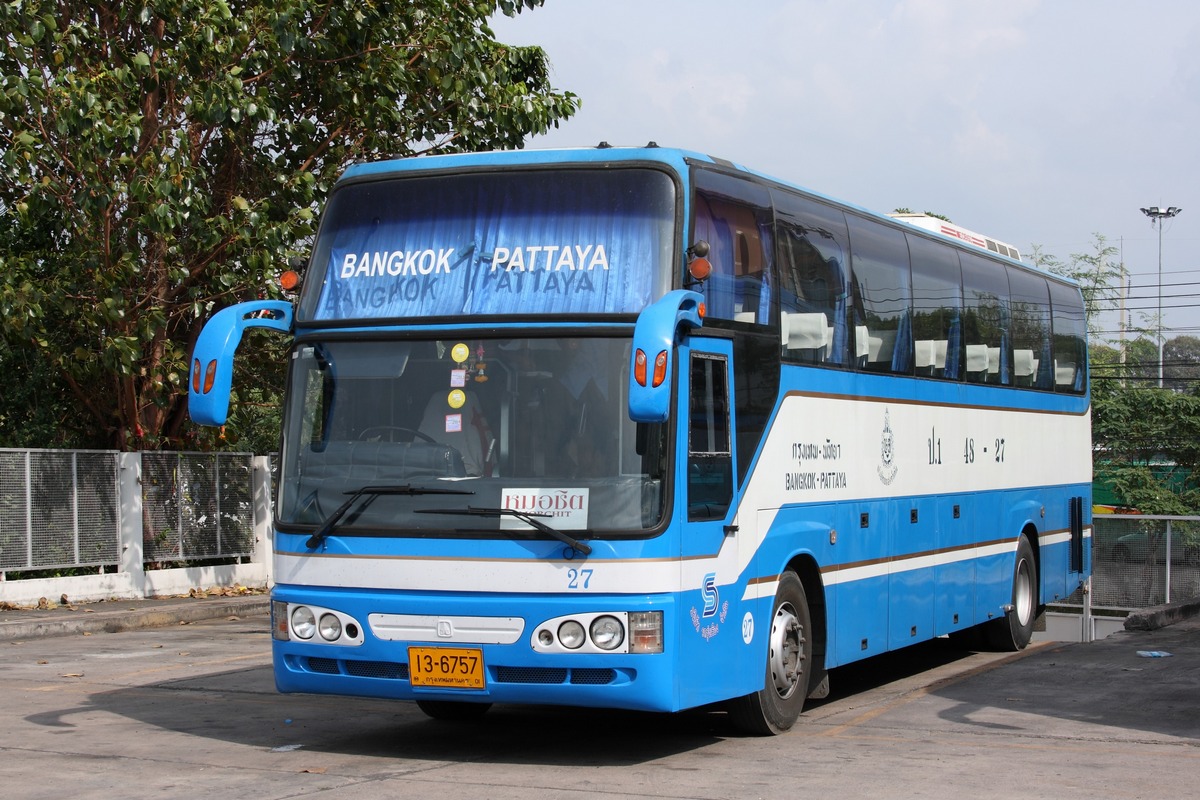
<point x="644" y="429"/>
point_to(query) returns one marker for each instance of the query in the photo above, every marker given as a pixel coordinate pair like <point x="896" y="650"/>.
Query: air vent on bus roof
<point x="938" y="225"/>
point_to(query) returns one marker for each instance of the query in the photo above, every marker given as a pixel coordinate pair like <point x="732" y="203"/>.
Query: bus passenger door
<point x="710" y="619"/>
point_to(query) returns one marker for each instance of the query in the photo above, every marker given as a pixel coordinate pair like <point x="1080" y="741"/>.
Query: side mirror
<point x="654" y="352"/>
<point x="212" y="358"/>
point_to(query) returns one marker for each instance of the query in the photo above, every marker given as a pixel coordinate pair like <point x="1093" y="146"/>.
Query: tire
<point x="452" y="711"/>
<point x="1014" y="630"/>
<point x="775" y="707"/>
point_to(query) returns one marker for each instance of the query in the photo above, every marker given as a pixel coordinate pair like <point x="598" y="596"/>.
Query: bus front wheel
<point x="775" y="707"/>
<point x="1014" y="630"/>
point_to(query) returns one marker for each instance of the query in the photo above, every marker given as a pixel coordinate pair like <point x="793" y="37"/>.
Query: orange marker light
<point x="702" y="309"/>
<point x="700" y="268"/>
<point x="289" y="280"/>
<point x="210" y="376"/>
<point x="639" y="367"/>
<point x="660" y="369"/>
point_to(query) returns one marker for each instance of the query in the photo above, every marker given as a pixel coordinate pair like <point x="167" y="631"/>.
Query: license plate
<point x="446" y="667"/>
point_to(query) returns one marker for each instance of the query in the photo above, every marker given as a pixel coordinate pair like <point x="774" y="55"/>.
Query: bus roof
<point x="504" y="158"/>
<point x="679" y="160"/>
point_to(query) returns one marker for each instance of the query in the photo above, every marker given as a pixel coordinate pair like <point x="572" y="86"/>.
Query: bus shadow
<point x="241" y="707"/>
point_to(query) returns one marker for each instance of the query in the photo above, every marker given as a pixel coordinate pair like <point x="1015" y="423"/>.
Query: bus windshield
<point x="534" y="425"/>
<point x="547" y="241"/>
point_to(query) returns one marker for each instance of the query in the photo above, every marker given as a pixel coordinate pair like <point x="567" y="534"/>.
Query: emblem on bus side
<point x="887" y="470"/>
<point x="713" y="607"/>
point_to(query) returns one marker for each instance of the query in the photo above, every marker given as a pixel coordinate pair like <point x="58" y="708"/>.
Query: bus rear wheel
<point x="1014" y="630"/>
<point x="776" y="706"/>
<point x="452" y="711"/>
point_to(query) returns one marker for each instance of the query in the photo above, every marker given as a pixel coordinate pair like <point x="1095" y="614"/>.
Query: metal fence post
<point x="1167" y="567"/>
<point x="28" y="510"/>
<point x="264" y="541"/>
<point x="1088" y="634"/>
<point x="130" y="505"/>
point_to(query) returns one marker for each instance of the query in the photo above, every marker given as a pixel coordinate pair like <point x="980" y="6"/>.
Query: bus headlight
<point x="330" y="627"/>
<point x="304" y="622"/>
<point x="607" y="632"/>
<point x="571" y="635"/>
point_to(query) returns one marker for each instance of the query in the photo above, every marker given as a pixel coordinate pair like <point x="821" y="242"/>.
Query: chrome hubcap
<point x="1023" y="593"/>
<point x="786" y="658"/>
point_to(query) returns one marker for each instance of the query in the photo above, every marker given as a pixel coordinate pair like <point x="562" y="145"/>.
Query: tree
<point x="159" y="160"/>
<point x="1181" y="364"/>
<point x="1147" y="445"/>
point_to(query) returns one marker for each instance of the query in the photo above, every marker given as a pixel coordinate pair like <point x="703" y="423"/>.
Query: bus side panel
<point x="993" y="568"/>
<point x="954" y="604"/>
<point x="861" y="622"/>
<point x="1058" y="580"/>
<point x="713" y="661"/>
<point x="911" y="588"/>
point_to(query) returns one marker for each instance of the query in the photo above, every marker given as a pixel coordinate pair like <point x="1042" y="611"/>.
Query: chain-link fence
<point x="1140" y="561"/>
<point x="58" y="509"/>
<point x="197" y="505"/>
<point x="61" y="509"/>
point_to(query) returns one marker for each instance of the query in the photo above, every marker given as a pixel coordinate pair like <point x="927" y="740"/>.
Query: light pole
<point x="1157" y="215"/>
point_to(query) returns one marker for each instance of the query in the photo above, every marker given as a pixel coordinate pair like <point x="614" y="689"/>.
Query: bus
<point x="641" y="428"/>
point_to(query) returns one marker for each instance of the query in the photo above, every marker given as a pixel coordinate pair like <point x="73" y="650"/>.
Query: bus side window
<point x="985" y="321"/>
<point x="882" y="294"/>
<point x="811" y="242"/>
<point x="1029" y="300"/>
<point x="734" y="217"/>
<point x="1070" y="339"/>
<point x="710" y="457"/>
<point x="937" y="309"/>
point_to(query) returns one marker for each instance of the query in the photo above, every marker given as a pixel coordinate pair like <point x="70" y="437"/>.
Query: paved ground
<point x="190" y="710"/>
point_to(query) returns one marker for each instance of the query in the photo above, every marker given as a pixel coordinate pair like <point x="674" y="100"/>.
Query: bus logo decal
<point x="711" y="595"/>
<point x="887" y="470"/>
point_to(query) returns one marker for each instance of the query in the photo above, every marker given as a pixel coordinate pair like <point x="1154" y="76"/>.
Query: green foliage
<point x="1146" y="440"/>
<point x="160" y="159"/>
<point x="1147" y="445"/>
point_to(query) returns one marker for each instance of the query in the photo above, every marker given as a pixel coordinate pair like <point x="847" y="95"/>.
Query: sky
<point x="1036" y="122"/>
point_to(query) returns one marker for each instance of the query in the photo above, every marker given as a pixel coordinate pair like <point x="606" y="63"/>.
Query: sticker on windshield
<point x="567" y="508"/>
<point x="454" y="423"/>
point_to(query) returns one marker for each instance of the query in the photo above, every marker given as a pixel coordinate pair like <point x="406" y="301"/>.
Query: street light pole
<point x="1157" y="215"/>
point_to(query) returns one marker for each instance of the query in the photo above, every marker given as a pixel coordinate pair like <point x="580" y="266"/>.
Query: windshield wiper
<point x="330" y="523"/>
<point x="524" y="516"/>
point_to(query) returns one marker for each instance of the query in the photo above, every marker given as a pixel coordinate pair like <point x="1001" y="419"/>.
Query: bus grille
<point x="590" y="677"/>
<point x="389" y="670"/>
